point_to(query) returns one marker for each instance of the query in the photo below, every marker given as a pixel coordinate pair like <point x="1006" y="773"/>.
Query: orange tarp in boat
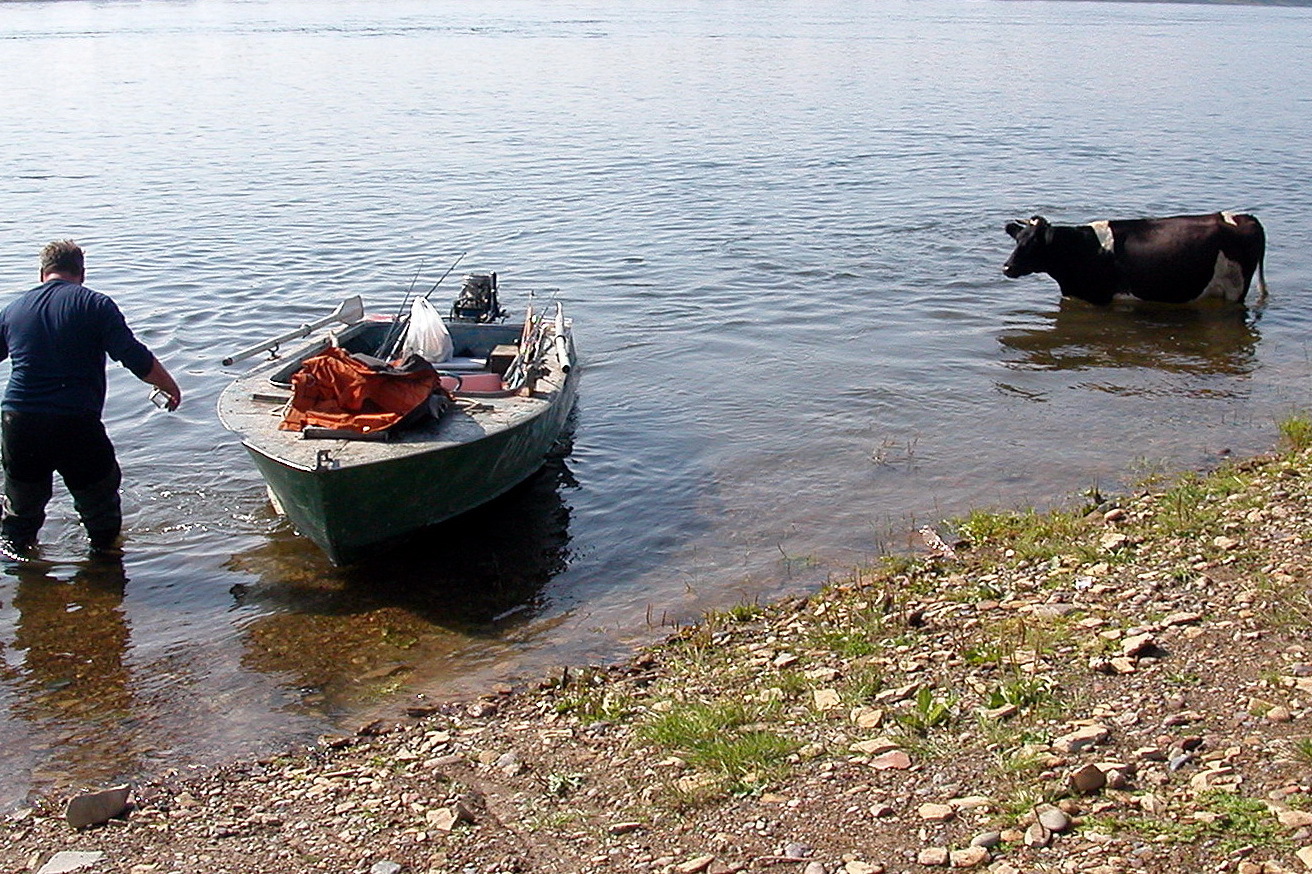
<point x="337" y="390"/>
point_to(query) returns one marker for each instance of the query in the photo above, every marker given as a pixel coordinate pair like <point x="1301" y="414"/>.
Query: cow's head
<point x="1032" y="238"/>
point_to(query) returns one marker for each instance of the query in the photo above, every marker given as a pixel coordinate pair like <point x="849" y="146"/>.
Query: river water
<point x="779" y="228"/>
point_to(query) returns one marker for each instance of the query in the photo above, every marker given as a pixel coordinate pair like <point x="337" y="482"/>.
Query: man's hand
<point x="164" y="382"/>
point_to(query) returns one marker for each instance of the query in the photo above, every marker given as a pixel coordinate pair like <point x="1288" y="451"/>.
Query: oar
<point x="348" y="312"/>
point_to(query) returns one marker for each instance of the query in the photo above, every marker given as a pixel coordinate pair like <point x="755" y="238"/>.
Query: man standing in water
<point x="57" y="336"/>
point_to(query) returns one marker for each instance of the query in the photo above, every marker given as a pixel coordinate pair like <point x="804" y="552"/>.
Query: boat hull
<point x="349" y="511"/>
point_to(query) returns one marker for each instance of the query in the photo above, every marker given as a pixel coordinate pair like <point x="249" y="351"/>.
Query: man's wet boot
<point x="23" y="514"/>
<point x="106" y="544"/>
<point x="99" y="507"/>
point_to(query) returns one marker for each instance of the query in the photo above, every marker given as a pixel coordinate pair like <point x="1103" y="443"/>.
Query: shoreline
<point x="1127" y="688"/>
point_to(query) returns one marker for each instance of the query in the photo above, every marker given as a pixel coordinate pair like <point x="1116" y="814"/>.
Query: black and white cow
<point x="1177" y="260"/>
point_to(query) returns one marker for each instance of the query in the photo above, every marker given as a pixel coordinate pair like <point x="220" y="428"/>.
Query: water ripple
<point x="785" y="273"/>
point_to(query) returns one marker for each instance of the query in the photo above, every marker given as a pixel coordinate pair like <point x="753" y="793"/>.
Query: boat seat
<point x="461" y="364"/>
<point x="478" y="383"/>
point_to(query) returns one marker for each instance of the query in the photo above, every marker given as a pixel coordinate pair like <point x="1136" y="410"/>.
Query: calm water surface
<point x="779" y="228"/>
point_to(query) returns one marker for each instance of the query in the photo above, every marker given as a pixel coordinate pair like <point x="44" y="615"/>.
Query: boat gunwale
<point x="411" y="444"/>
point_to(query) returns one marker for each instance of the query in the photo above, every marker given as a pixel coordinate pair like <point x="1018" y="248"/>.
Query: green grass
<point x="1193" y="506"/>
<point x="555" y="820"/>
<point x="590" y="699"/>
<point x="927" y="711"/>
<point x="399" y="639"/>
<point x="1028" y="534"/>
<point x="696" y="649"/>
<point x="863" y="683"/>
<point x="745" y="612"/>
<point x="792" y="683"/>
<point x="1234" y="822"/>
<point x="730" y="740"/>
<point x="1296" y="430"/>
<point x="564" y="784"/>
<point x="1299" y="801"/>
<point x="1023" y="692"/>
<point x="850" y="643"/>
<point x="1025" y="798"/>
<point x="898" y="563"/>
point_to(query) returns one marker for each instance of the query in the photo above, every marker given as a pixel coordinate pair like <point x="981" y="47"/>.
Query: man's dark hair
<point x="62" y="256"/>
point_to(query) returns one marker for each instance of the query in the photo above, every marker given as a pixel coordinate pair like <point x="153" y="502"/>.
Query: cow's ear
<point x="1014" y="229"/>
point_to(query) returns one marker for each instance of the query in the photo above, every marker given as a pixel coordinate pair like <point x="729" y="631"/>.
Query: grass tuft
<point x="927" y="711"/>
<point x="1027" y="535"/>
<point x="1232" y="821"/>
<point x="729" y="739"/>
<point x="1297" y="431"/>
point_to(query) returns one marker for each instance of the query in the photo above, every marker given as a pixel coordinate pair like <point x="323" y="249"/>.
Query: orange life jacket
<point x="339" y="391"/>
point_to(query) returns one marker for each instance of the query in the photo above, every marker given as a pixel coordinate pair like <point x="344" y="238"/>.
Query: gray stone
<point x="385" y="868"/>
<point x="931" y="812"/>
<point x="70" y="860"/>
<point x="1138" y="645"/>
<point x="1082" y="739"/>
<point x="1037" y="836"/>
<point x="624" y="828"/>
<point x="934" y="857"/>
<point x="987" y="840"/>
<point x="444" y="818"/>
<point x="97" y="808"/>
<point x="1053" y="819"/>
<point x="971" y="857"/>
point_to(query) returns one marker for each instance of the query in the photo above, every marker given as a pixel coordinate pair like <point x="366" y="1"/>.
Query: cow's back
<point x="1189" y="257"/>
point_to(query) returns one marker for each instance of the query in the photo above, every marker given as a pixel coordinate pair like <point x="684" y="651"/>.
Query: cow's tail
<point x="1261" y="262"/>
<point x="1259" y="249"/>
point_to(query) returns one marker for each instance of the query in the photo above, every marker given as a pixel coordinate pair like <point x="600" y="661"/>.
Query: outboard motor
<point x="478" y="300"/>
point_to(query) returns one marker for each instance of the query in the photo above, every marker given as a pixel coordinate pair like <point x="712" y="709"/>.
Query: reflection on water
<point x="67" y="664"/>
<point x="1195" y="341"/>
<point x="342" y="634"/>
<point x="762" y="316"/>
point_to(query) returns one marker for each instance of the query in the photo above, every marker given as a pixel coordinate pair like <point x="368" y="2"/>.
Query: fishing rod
<point x="396" y="319"/>
<point x="541" y="334"/>
<point x="514" y="373"/>
<point x="562" y="345"/>
<point x="392" y="338"/>
<point x="446" y="274"/>
<point x="399" y="338"/>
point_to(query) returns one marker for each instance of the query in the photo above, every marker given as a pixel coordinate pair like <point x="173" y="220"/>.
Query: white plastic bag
<point x="426" y="334"/>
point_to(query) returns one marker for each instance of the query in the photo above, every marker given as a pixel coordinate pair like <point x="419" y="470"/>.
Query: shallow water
<point x="779" y="229"/>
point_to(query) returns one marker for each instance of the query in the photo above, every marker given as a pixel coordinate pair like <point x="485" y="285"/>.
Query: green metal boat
<point x="351" y="495"/>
